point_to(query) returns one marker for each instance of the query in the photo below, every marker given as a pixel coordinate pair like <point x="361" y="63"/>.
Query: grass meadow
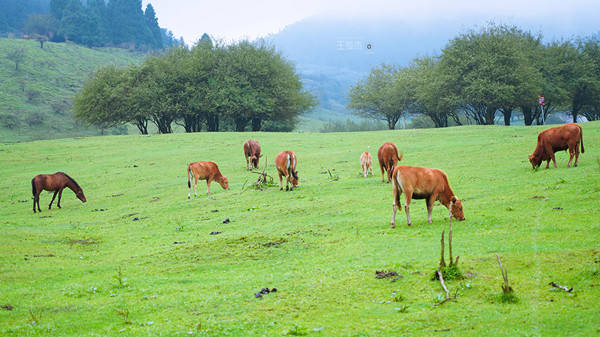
<point x="138" y="259"/>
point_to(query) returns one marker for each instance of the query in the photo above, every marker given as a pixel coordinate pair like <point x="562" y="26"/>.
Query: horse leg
<point x="59" y="195"/>
<point x="54" y="196"/>
<point x="37" y="199"/>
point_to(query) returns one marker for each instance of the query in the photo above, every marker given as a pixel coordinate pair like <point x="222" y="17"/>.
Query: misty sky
<point x="234" y="20"/>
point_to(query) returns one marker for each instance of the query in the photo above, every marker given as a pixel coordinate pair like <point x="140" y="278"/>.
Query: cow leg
<point x="571" y="154"/>
<point x="430" y="201"/>
<point x="208" y="181"/>
<point x="396" y="203"/>
<point x="59" y="196"/>
<point x="576" y="154"/>
<point x="195" y="185"/>
<point x="553" y="160"/>
<point x="381" y="167"/>
<point x="287" y="182"/>
<point x="548" y="163"/>
<point x="54" y="196"/>
<point x="408" y="195"/>
<point x="280" y="181"/>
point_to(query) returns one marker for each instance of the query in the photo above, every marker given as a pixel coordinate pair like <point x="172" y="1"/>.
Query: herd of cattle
<point x="412" y="181"/>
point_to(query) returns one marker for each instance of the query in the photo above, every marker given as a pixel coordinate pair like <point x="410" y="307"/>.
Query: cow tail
<point x="33" y="190"/>
<point x="581" y="138"/>
<point x="401" y="155"/>
<point x="189" y="174"/>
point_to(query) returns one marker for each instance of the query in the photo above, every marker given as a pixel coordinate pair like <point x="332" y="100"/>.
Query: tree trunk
<point x="142" y="125"/>
<point x="507" y="112"/>
<point x="240" y="124"/>
<point x="527" y="115"/>
<point x="256" y="124"/>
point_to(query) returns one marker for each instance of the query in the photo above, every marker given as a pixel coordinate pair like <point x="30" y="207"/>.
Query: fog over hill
<point x="332" y="53"/>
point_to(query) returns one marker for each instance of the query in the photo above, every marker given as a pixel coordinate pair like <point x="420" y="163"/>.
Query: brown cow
<point x="366" y="161"/>
<point x="205" y="170"/>
<point x="388" y="159"/>
<point x="558" y="138"/>
<point x="424" y="183"/>
<point x="252" y="153"/>
<point x="286" y="162"/>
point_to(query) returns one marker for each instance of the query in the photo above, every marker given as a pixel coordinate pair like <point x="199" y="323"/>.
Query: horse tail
<point x="189" y="174"/>
<point x="33" y="190"/>
<point x="581" y="138"/>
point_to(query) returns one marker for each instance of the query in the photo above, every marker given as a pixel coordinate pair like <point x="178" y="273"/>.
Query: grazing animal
<point x="424" y="183"/>
<point x="286" y="162"/>
<point x="558" y="138"/>
<point x="252" y="153"/>
<point x="205" y="170"/>
<point x="388" y="159"/>
<point x="54" y="182"/>
<point x="366" y="161"/>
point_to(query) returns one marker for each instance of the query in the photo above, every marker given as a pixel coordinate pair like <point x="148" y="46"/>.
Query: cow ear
<point x="453" y="198"/>
<point x="260" y="155"/>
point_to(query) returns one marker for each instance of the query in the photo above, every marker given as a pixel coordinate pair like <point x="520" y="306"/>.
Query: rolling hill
<point x="35" y="100"/>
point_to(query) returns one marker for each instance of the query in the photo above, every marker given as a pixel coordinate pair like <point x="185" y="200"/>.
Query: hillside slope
<point x="140" y="259"/>
<point x="35" y="101"/>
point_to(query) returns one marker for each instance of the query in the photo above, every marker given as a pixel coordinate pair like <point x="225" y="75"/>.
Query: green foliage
<point x="451" y="272"/>
<point x="16" y="55"/>
<point x="211" y="87"/>
<point x="509" y="297"/>
<point x="385" y="95"/>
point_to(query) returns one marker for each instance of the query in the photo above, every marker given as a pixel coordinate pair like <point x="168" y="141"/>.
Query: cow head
<point x="535" y="162"/>
<point x="456" y="209"/>
<point x="254" y="160"/>
<point x="294" y="178"/>
<point x="224" y="182"/>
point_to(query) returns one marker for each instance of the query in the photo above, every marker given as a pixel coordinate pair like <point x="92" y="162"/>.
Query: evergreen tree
<point x="57" y="8"/>
<point x="152" y="23"/>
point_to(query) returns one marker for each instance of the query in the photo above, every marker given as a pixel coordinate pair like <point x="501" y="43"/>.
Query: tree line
<point x="209" y="87"/>
<point x="93" y="23"/>
<point x="497" y="70"/>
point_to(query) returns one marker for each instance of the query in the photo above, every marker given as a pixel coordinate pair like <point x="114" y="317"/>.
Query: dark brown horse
<point x="53" y="182"/>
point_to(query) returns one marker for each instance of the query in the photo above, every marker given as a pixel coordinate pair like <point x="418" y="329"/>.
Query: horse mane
<point x="71" y="179"/>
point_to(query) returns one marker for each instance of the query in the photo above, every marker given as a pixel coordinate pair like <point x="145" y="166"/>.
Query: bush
<point x="34" y="119"/>
<point x="351" y="126"/>
<point x="10" y="121"/>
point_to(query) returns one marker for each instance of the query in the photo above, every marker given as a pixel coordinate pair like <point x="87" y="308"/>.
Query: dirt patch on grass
<point x="275" y="243"/>
<point x="379" y="274"/>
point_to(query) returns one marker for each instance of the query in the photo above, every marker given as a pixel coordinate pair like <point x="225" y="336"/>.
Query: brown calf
<point x="252" y="153"/>
<point x="558" y="138"/>
<point x="388" y="159"/>
<point x="205" y="170"/>
<point x="285" y="162"/>
<point x="366" y="161"/>
<point x="424" y="183"/>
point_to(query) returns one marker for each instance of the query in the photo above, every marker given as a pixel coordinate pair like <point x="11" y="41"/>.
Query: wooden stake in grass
<point x="506" y="288"/>
<point x="448" y="297"/>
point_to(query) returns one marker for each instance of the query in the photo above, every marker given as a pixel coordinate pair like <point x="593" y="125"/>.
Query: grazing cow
<point x="424" y="183"/>
<point x="367" y="163"/>
<point x="205" y="170"/>
<point x="285" y="162"/>
<point x="388" y="158"/>
<point x="558" y="138"/>
<point x="252" y="153"/>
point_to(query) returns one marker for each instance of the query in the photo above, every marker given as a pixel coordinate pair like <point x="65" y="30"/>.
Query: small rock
<point x="226" y="220"/>
<point x="264" y="291"/>
<point x="274" y="290"/>
<point x="136" y="218"/>
<point x="7" y="307"/>
<point x="178" y="242"/>
<point x="134" y="165"/>
<point x="557" y="208"/>
<point x="215" y="233"/>
<point x="258" y="295"/>
<point x="215" y="210"/>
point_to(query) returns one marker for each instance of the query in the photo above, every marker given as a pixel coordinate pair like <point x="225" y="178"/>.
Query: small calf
<point x="366" y="161"/>
<point x="205" y="170"/>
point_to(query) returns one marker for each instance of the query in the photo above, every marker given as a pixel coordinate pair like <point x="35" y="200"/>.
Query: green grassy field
<point x="94" y="270"/>
<point x="35" y="101"/>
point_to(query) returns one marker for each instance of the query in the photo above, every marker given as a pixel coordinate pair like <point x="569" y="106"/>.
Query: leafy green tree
<point x="42" y="27"/>
<point x="127" y="23"/>
<point x="590" y="48"/>
<point x="16" y="55"/>
<point x="488" y="71"/>
<point x="432" y="93"/>
<point x="384" y="95"/>
<point x="57" y="7"/>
